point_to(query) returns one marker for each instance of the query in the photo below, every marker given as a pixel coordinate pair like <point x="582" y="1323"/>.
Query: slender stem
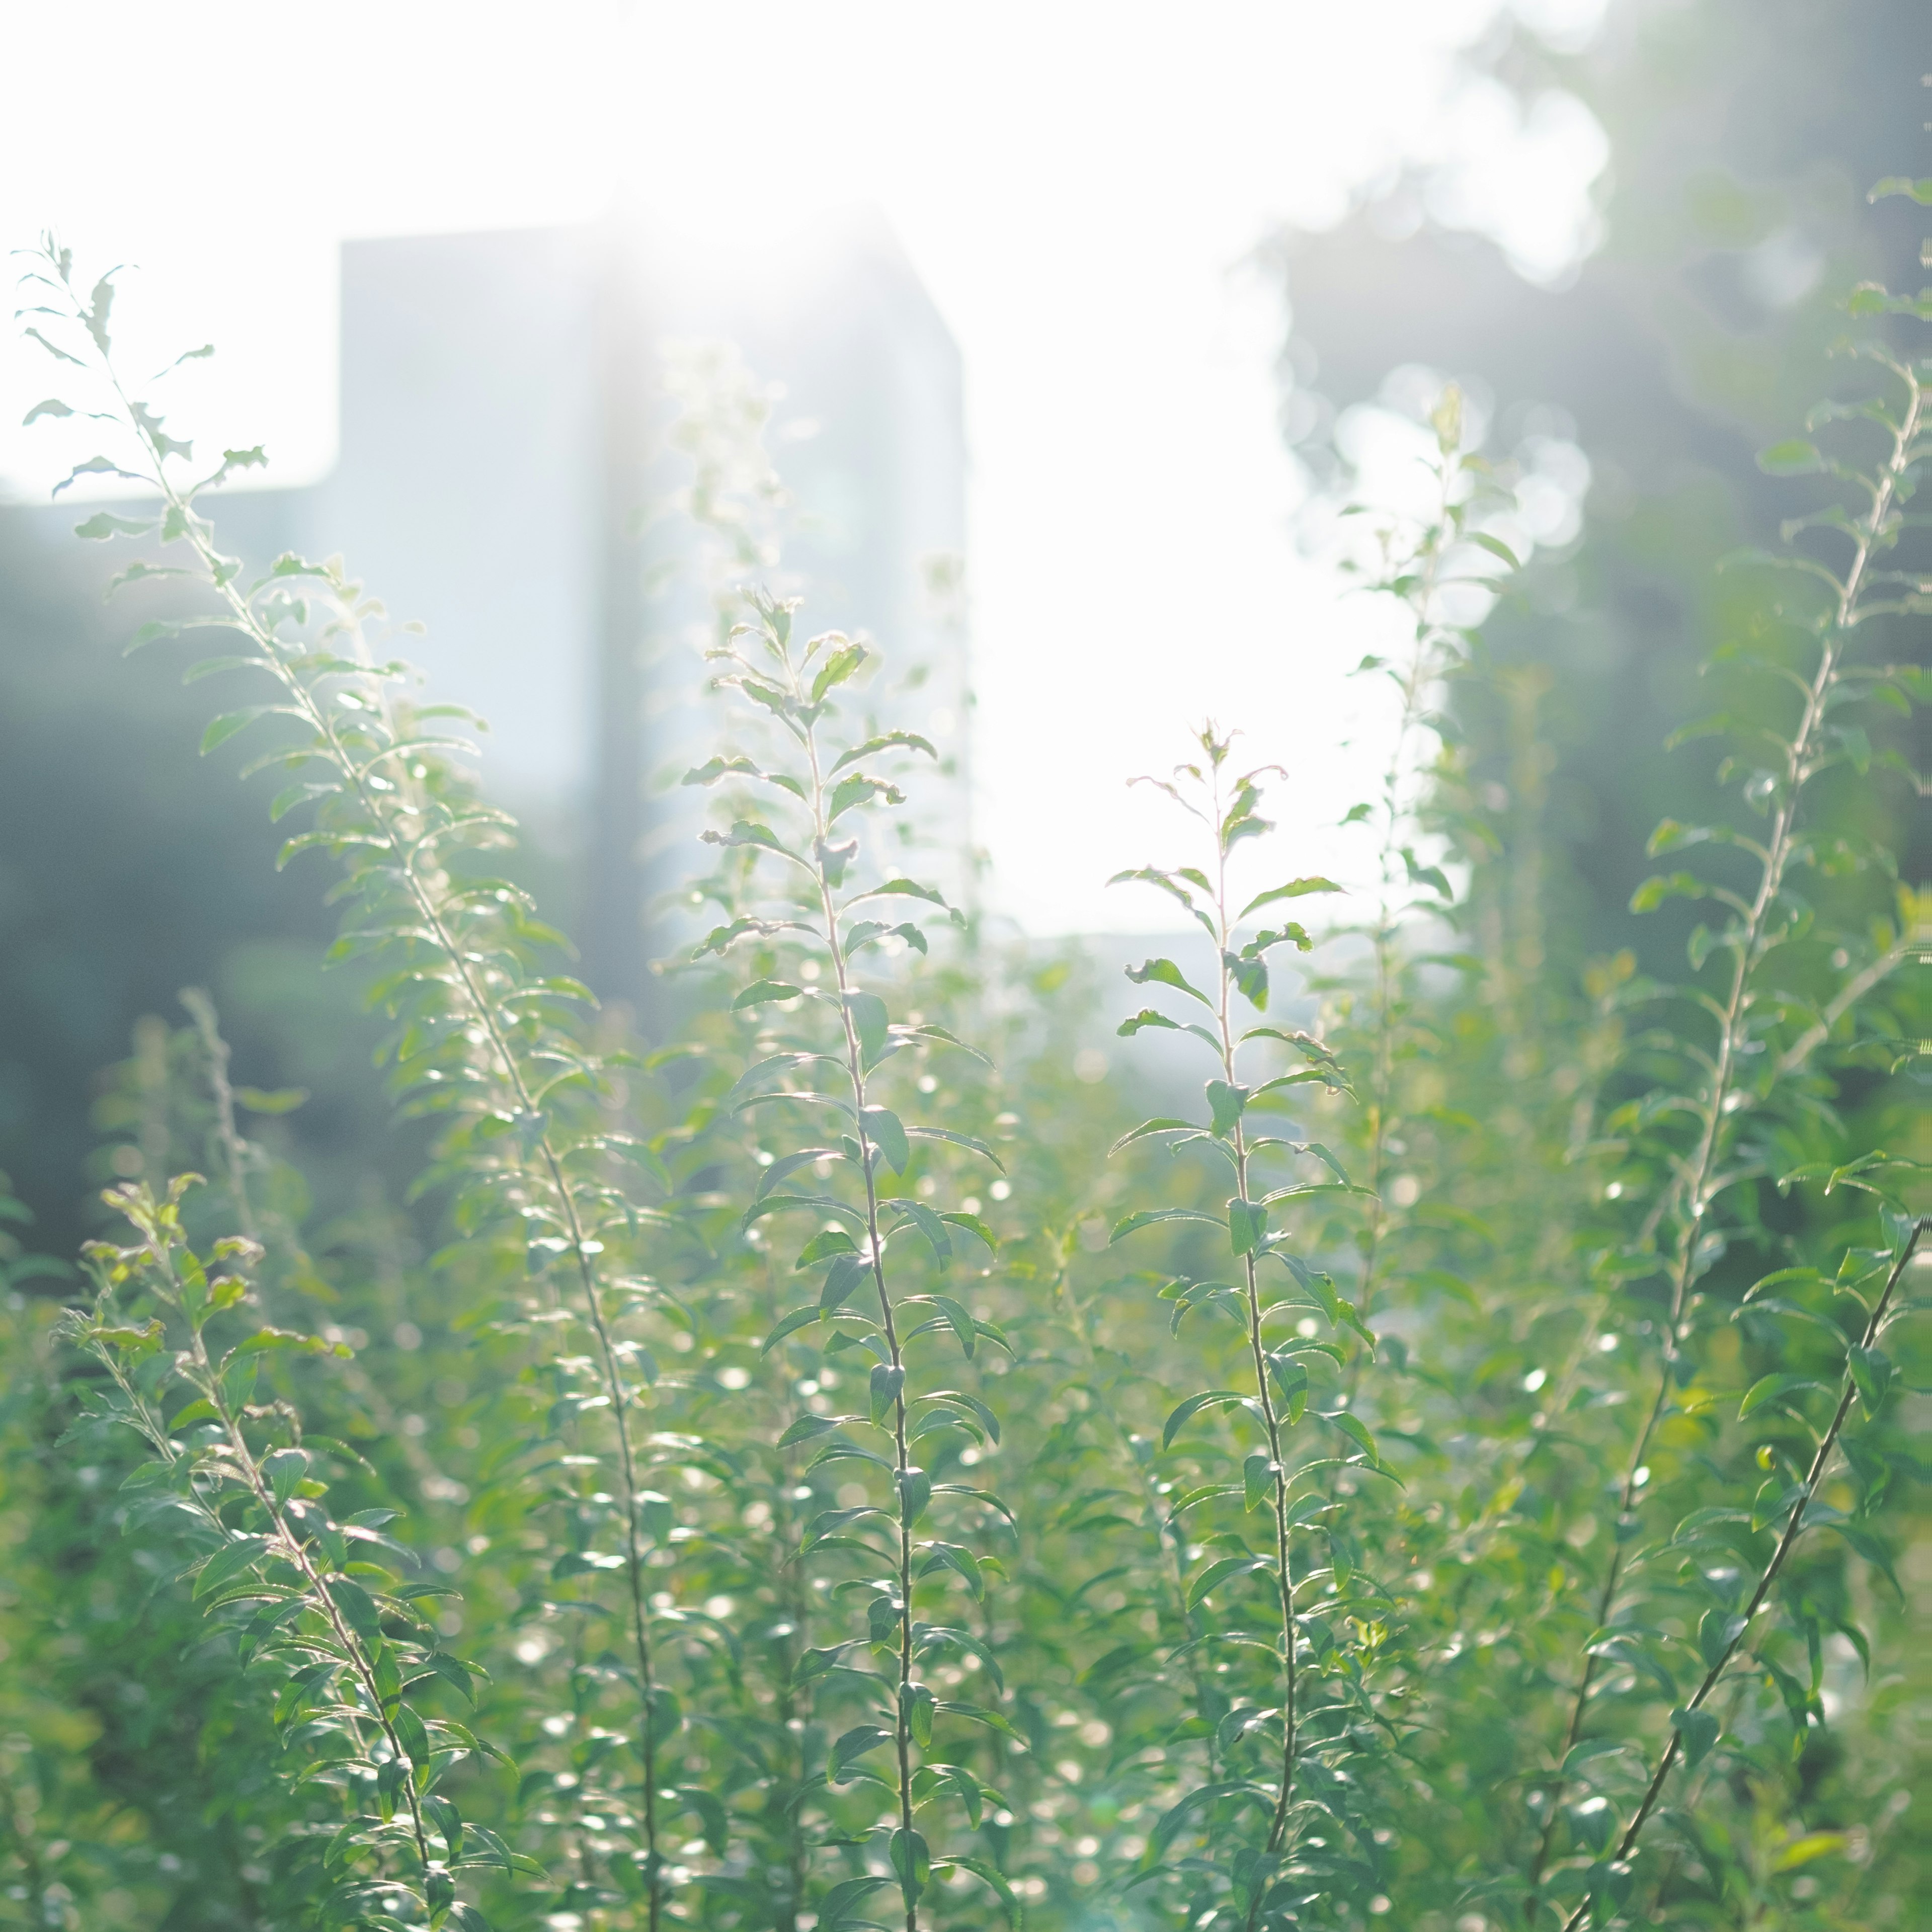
<point x="1794" y="1528"/>
<point x="855" y="1068"/>
<point x="1695" y="1184"/>
<point x="1382" y="1092"/>
<point x="1258" y="1353"/>
<point x="483" y="1011"/>
<point x="201" y="1009"/>
<point x="209" y="1382"/>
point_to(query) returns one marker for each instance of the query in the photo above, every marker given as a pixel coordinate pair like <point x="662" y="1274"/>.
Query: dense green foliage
<point x="1447" y="1464"/>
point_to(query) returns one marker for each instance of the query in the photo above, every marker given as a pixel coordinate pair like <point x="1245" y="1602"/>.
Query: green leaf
<point x="858" y="789"/>
<point x="888" y="1384"/>
<point x="1247" y="1225"/>
<point x="1218" y="1572"/>
<point x="285" y="1468"/>
<point x="1146" y="1127"/>
<point x="1148" y="1016"/>
<point x="971" y="1405"/>
<point x="903" y="888"/>
<point x="1290" y="1378"/>
<point x="283" y="1100"/>
<point x="1794" y="458"/>
<point x="915" y="1488"/>
<point x="909" y="741"/>
<point x="1431" y="876"/>
<point x="911" y="1861"/>
<point x="798" y="1318"/>
<point x="1871" y="1373"/>
<point x="1295" y="889"/>
<point x="964" y="1564"/>
<point x="1817" y="1844"/>
<point x="103" y="524"/>
<point x="1148" y="1217"/>
<point x="1250" y="976"/>
<point x="870" y="1021"/>
<point x="826" y="1242"/>
<point x="1203" y="1796"/>
<point x="985" y="1870"/>
<point x="357" y="1608"/>
<point x="1699" y="1730"/>
<point x="808" y="1426"/>
<point x="846" y="1275"/>
<point x="1186" y="1410"/>
<point x="1920" y="191"/>
<point x="1227" y="1104"/>
<point x="1494" y="546"/>
<point x="976" y="1228"/>
<point x="229" y="1562"/>
<point x="1718" y="1630"/>
<point x="1258" y="1472"/>
<point x="835" y="1912"/>
<point x="225" y="727"/>
<point x="1869" y="1546"/>
<point x="1357" y="1432"/>
<point x="851" y="1746"/>
<point x="1772" y="1388"/>
<point x="1165" y="973"/>
<point x="837" y="668"/>
<point x="965" y="1141"/>
<point x="884" y="1129"/>
<point x="762" y="992"/>
<point x="957" y="1318"/>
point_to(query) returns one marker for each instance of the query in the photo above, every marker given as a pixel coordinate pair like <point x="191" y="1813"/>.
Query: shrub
<point x="1460" y="1488"/>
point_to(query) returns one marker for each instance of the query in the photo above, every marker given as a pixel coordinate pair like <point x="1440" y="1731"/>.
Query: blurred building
<point x="503" y="411"/>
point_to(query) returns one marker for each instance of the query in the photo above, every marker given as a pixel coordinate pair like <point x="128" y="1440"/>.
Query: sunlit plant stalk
<point x="1730" y="1092"/>
<point x="1692" y="1721"/>
<point x="1227" y="805"/>
<point x="294" y="1568"/>
<point x="795" y="686"/>
<point x="1414" y="568"/>
<point x="505" y="1061"/>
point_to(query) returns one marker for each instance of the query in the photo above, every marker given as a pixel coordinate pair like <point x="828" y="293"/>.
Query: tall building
<point x="503" y="412"/>
<point x="503" y="455"/>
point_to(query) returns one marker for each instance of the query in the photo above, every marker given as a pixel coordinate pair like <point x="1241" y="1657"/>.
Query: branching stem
<point x="1696" y="1184"/>
<point x="386" y="814"/>
<point x="868" y="1157"/>
<point x="1794" y="1528"/>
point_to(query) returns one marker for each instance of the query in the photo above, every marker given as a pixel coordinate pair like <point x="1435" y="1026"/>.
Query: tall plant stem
<point x="351" y="1646"/>
<point x="386" y="816"/>
<point x="1420" y="597"/>
<point x="1258" y="1354"/>
<point x="1696" y="1186"/>
<point x="201" y="1010"/>
<point x="855" y="1068"/>
<point x="1793" y="1528"/>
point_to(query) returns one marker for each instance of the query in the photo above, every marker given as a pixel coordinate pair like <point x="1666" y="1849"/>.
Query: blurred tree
<point x="126" y="872"/>
<point x="1745" y="135"/>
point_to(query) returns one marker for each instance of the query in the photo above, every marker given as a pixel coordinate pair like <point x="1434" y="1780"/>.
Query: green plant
<point x="1735" y="1109"/>
<point x="480" y="1040"/>
<point x="1002" y="1638"/>
<point x="1308" y="1744"/>
<point x="816" y="930"/>
<point x="344" y="1639"/>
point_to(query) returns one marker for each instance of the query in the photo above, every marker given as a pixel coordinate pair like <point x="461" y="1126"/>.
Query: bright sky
<point x="1078" y="181"/>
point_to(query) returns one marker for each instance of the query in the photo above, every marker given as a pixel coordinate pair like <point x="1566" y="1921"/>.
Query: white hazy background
<point x="1080" y="184"/>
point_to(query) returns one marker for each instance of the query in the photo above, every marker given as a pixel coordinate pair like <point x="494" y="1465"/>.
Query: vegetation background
<point x="1128" y="1712"/>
